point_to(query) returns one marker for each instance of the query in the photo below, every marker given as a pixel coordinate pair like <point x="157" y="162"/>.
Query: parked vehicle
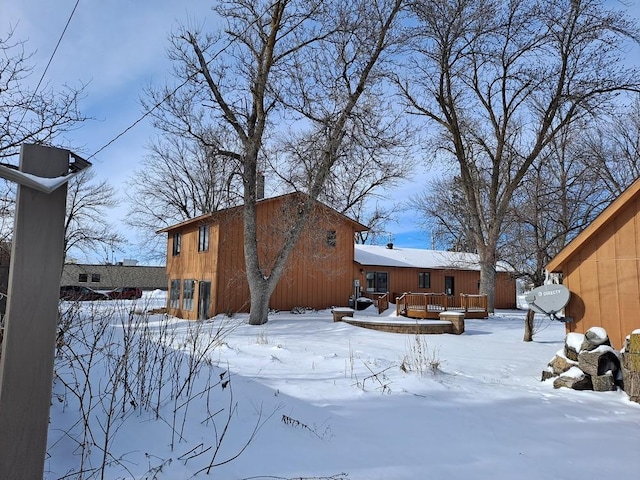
<point x="76" y="292"/>
<point x="125" y="293"/>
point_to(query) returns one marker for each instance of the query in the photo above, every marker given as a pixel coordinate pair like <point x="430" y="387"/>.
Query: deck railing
<point x="380" y="299"/>
<point x="429" y="305"/>
<point x="382" y="302"/>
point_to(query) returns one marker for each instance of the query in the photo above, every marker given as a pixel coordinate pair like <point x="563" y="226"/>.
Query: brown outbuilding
<point x="601" y="268"/>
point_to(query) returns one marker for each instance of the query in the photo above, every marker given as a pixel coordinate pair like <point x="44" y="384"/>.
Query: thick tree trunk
<point x="250" y="112"/>
<point x="488" y="282"/>
<point x="528" y="326"/>
<point x="260" y="296"/>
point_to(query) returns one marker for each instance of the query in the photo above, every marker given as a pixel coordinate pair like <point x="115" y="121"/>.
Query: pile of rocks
<point x="587" y="362"/>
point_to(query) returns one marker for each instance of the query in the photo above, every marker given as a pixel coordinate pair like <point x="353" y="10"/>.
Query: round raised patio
<point x="452" y="323"/>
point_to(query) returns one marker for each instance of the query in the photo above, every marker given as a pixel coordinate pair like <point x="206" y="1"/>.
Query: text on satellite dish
<point x="551" y="292"/>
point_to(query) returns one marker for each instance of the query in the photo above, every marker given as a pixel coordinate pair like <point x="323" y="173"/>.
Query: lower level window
<point x="187" y="294"/>
<point x="174" y="295"/>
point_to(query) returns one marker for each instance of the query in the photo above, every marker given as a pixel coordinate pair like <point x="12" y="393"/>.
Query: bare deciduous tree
<point x="41" y="115"/>
<point x="27" y="115"/>
<point x="305" y="66"/>
<point x="613" y="148"/>
<point x="86" y="230"/>
<point x="500" y="80"/>
<point x="444" y="214"/>
<point x="373" y="156"/>
<point x="182" y="179"/>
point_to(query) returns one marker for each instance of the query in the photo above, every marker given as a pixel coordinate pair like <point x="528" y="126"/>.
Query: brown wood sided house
<point x="206" y="269"/>
<point x="400" y="270"/>
<point x="601" y="269"/>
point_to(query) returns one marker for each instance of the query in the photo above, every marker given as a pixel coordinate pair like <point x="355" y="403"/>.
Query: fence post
<point x="26" y="366"/>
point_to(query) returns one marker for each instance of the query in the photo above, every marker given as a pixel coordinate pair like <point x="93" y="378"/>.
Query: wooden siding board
<point x="233" y="290"/>
<point x="575" y="307"/>
<point x="606" y="244"/>
<point x="629" y="297"/>
<point x="608" y="314"/>
<point x="315" y="275"/>
<point x="588" y="251"/>
<point x="589" y="295"/>
<point x="637" y="228"/>
<point x="584" y="238"/>
<point x="625" y="236"/>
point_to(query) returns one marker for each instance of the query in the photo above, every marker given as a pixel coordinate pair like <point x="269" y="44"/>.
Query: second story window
<point x="177" y="243"/>
<point x="332" y="238"/>
<point x="203" y="238"/>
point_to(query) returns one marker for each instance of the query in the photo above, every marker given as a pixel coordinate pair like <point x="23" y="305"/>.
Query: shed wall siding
<point x="604" y="278"/>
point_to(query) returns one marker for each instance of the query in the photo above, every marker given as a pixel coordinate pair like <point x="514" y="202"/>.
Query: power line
<point x="64" y="31"/>
<point x="175" y="90"/>
<point x="144" y="115"/>
<point x="158" y="104"/>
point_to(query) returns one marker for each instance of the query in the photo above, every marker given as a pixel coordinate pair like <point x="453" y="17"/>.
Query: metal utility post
<point x="28" y="349"/>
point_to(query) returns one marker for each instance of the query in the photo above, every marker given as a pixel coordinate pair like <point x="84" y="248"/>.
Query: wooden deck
<point x="430" y="305"/>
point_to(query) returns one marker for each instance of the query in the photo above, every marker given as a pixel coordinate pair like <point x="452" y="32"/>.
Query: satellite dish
<point x="548" y="299"/>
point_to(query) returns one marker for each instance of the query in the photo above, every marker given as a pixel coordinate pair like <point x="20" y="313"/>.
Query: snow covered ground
<point x="330" y="400"/>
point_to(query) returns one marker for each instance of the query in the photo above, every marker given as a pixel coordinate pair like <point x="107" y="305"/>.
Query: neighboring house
<point x="601" y="269"/>
<point x="206" y="267"/>
<point x="108" y="277"/>
<point x="399" y="270"/>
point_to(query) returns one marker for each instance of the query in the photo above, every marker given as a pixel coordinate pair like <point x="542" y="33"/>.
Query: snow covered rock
<point x="594" y="337"/>
<point x="572" y="343"/>
<point x="599" y="361"/>
<point x="547" y="374"/>
<point x="604" y="383"/>
<point x="587" y="362"/>
<point x="575" y="379"/>
<point x="560" y="364"/>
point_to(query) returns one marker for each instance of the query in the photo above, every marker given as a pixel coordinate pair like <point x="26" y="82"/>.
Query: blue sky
<point x="118" y="47"/>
